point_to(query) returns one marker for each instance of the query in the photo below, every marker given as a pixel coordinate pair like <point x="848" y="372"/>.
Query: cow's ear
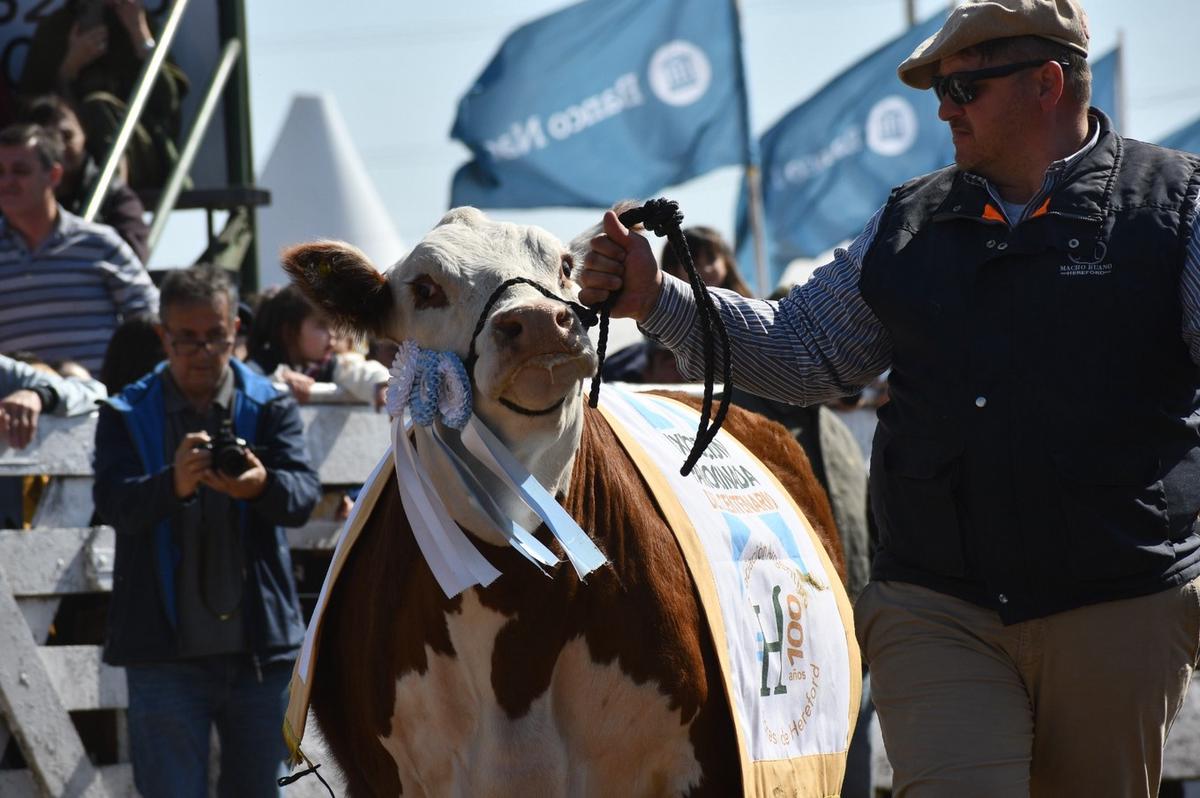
<point x="341" y="280"/>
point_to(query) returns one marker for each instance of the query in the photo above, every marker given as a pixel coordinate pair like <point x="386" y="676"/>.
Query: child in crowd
<point x="292" y="342"/>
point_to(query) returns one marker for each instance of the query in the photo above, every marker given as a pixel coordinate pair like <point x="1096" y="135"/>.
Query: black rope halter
<point x="587" y="317"/>
<point x="663" y="218"/>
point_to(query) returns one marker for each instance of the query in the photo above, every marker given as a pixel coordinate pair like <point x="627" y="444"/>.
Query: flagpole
<point x="910" y="9"/>
<point x="754" y="207"/>
<point x="750" y="165"/>
<point x="1122" y="108"/>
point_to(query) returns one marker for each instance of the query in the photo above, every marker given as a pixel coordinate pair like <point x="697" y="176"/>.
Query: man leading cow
<point x="1034" y="615"/>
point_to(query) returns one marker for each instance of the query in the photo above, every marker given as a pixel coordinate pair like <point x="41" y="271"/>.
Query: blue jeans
<point x="172" y="708"/>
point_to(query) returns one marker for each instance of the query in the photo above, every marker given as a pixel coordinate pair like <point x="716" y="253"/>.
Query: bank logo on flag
<point x="679" y="73"/>
<point x="831" y="161"/>
<point x="892" y="126"/>
<point x="565" y="117"/>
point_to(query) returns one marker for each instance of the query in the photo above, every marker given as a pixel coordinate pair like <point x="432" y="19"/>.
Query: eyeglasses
<point x="960" y="86"/>
<point x="190" y="346"/>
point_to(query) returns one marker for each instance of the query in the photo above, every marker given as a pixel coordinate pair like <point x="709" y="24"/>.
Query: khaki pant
<point x="1075" y="704"/>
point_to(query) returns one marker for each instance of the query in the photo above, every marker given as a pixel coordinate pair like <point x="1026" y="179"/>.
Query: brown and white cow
<point x="530" y="686"/>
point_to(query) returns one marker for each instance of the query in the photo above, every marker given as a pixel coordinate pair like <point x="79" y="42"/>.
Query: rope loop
<point x="659" y="216"/>
<point x="663" y="218"/>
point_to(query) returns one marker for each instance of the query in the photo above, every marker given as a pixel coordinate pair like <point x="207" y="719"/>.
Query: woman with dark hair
<point x="292" y="342"/>
<point x="649" y="362"/>
<point x="713" y="257"/>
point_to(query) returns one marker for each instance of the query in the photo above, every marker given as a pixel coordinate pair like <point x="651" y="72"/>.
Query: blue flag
<point x="1186" y="138"/>
<point x="831" y="162"/>
<point x="1105" y="79"/>
<point x="604" y="100"/>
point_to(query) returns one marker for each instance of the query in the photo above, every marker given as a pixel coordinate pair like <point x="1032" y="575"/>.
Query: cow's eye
<point x="568" y="265"/>
<point x="427" y="293"/>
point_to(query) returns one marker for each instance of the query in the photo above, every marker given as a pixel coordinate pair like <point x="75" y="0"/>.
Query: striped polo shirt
<point x="63" y="300"/>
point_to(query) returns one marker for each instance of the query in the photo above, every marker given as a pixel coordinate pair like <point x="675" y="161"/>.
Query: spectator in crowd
<point x="1031" y="622"/>
<point x="91" y="52"/>
<point x="26" y="392"/>
<point x="65" y="284"/>
<point x="292" y="343"/>
<point x="29" y="391"/>
<point x="649" y="362"/>
<point x="204" y="614"/>
<point x="121" y="208"/>
<point x="133" y="352"/>
<point x="713" y="258"/>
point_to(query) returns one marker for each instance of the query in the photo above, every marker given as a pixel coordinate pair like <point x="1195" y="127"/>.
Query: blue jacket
<point x="134" y="492"/>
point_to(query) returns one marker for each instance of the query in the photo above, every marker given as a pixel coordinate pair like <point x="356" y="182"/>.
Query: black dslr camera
<point x="229" y="451"/>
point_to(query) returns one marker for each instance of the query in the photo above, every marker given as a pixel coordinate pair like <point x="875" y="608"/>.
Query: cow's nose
<point x="535" y="325"/>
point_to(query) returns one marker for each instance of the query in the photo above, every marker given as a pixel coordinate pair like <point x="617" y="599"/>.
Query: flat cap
<point x="978" y="21"/>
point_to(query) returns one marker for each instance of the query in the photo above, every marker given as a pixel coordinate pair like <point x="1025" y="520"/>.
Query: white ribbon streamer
<point x="454" y="561"/>
<point x="518" y="537"/>
<point x="488" y="449"/>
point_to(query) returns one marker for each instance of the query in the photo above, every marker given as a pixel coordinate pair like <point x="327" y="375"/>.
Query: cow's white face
<point x="532" y="352"/>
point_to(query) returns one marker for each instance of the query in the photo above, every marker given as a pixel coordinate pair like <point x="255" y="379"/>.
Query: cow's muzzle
<point x="521" y="328"/>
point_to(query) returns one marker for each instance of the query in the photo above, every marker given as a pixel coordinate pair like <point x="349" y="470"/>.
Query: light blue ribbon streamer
<point x="579" y="548"/>
<point x="518" y="537"/>
<point x="454" y="561"/>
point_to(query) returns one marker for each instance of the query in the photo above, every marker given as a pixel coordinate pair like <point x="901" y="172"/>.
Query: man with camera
<point x="198" y="467"/>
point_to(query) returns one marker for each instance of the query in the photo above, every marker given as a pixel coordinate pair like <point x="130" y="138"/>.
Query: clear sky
<point x="397" y="69"/>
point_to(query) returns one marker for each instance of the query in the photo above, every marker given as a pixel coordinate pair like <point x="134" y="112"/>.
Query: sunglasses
<point x="960" y="86"/>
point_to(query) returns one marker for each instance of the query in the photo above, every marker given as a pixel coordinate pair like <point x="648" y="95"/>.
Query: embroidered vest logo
<point x="1096" y="267"/>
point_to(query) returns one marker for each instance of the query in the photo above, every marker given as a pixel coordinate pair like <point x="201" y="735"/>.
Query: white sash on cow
<point x="779" y="617"/>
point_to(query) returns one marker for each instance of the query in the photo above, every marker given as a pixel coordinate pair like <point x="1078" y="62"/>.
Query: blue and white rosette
<point x="434" y="386"/>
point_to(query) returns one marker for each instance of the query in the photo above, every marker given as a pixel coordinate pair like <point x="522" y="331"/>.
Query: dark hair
<point x="197" y="285"/>
<point x="46" y="143"/>
<point x="276" y="323"/>
<point x="48" y="110"/>
<point x="1077" y="75"/>
<point x="707" y="243"/>
<point x="134" y="350"/>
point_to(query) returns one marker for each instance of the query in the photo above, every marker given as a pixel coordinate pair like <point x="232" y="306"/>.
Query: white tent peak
<point x="320" y="189"/>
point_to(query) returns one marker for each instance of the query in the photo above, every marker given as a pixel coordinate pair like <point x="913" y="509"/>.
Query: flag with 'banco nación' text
<point x="831" y="162"/>
<point x="602" y="101"/>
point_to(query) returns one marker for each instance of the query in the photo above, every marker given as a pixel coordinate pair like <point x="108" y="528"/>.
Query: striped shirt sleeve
<point x="1189" y="286"/>
<point x="129" y="283"/>
<point x="819" y="342"/>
